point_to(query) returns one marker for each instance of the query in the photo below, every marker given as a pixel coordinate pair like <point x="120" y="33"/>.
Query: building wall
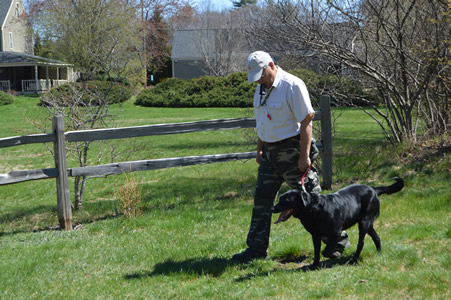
<point x="187" y="69"/>
<point x="15" y="34"/>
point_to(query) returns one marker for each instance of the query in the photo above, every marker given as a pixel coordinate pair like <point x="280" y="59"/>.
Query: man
<point x="284" y="116"/>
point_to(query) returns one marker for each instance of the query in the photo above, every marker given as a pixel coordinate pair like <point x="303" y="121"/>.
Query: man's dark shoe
<point x="249" y="255"/>
<point x="339" y="248"/>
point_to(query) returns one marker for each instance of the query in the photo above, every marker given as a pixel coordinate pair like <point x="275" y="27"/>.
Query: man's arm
<point x="306" y="141"/>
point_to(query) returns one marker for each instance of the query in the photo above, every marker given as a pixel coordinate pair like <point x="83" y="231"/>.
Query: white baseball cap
<point x="255" y="63"/>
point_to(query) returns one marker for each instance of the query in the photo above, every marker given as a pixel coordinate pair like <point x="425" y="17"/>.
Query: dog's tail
<point x="395" y="187"/>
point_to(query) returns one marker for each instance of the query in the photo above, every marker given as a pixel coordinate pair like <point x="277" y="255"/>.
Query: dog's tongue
<point x="284" y="215"/>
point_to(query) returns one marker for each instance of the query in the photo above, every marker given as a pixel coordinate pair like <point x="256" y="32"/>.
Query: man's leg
<point x="268" y="185"/>
<point x="342" y="244"/>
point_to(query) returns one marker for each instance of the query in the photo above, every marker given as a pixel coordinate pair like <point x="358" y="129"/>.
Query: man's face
<point x="268" y="75"/>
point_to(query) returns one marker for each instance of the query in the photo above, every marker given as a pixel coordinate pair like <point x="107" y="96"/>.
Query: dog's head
<point x="289" y="203"/>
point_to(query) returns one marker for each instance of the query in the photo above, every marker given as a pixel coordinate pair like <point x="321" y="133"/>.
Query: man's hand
<point x="304" y="164"/>
<point x="259" y="157"/>
<point x="259" y="151"/>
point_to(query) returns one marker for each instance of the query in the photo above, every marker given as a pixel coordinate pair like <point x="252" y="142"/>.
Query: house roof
<point x="13" y="59"/>
<point x="4" y="8"/>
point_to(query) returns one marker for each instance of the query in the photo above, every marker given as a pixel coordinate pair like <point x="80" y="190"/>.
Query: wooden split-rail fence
<point x="59" y="138"/>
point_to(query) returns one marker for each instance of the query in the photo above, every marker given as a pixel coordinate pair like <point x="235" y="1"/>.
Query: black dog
<point x="326" y="216"/>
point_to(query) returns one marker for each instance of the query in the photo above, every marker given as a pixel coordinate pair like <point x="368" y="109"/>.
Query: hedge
<point x="234" y="91"/>
<point x="91" y="92"/>
<point x="207" y="91"/>
<point x="6" y="98"/>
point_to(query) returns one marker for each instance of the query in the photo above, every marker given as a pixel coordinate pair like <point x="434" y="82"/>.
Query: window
<point x="17" y="10"/>
<point x="11" y="40"/>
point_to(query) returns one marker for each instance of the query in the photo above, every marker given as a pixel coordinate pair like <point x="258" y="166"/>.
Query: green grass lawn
<point x="195" y="218"/>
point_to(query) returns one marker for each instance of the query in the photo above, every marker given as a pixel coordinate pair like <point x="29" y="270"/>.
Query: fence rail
<point x="61" y="173"/>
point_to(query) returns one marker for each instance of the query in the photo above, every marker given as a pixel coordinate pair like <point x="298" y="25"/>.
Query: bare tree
<point x="83" y="108"/>
<point x="396" y="47"/>
<point x="97" y="37"/>
<point x="221" y="42"/>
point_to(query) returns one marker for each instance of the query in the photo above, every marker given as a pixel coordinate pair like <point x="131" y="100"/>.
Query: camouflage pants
<point x="279" y="164"/>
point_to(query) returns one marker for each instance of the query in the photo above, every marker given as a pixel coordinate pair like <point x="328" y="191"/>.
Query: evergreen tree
<point x="243" y="3"/>
<point x="157" y="46"/>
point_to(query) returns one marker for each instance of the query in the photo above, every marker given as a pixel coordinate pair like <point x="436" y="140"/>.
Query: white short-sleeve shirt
<point x="287" y="105"/>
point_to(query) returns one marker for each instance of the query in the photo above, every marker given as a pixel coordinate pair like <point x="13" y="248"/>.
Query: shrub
<point x="234" y="91"/>
<point x="130" y="197"/>
<point x="207" y="91"/>
<point x="6" y="98"/>
<point x="92" y="92"/>
<point x="105" y="78"/>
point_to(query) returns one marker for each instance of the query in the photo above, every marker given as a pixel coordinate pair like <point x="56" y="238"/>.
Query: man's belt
<point x="297" y="137"/>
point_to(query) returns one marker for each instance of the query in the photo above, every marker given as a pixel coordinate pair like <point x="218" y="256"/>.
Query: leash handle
<point x="305" y="174"/>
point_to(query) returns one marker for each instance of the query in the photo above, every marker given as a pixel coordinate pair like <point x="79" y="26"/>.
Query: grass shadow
<point x="216" y="266"/>
<point x="25" y="212"/>
<point x="95" y="211"/>
<point x="198" y="266"/>
<point x="327" y="264"/>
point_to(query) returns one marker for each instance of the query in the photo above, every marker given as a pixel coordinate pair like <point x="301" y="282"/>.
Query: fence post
<point x="62" y="182"/>
<point x="326" y="137"/>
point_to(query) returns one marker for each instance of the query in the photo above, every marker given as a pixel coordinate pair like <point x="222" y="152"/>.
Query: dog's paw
<point x="312" y="267"/>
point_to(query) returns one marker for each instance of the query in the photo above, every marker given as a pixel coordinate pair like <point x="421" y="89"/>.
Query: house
<point x="20" y="70"/>
<point x="199" y="52"/>
<point x="187" y="61"/>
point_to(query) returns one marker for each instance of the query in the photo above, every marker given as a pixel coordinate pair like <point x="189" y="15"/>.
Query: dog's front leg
<point x="317" y="250"/>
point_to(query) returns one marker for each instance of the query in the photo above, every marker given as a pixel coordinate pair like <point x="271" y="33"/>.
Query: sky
<point x="214" y="4"/>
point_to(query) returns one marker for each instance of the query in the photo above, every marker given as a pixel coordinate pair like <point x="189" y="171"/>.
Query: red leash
<point x="305" y="174"/>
